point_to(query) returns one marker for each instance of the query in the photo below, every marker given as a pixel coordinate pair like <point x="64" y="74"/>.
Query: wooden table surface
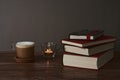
<point x="53" y="69"/>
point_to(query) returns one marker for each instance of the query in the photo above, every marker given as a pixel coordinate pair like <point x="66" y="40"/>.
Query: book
<point x="89" y="62"/>
<point x="87" y="43"/>
<point x="86" y="34"/>
<point x="89" y="50"/>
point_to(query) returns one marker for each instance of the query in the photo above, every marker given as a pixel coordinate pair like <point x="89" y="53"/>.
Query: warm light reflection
<point x="48" y="51"/>
<point x="47" y="62"/>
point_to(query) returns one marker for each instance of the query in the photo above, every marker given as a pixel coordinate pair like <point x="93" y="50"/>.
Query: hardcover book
<point x="90" y="62"/>
<point x="89" y="50"/>
<point x="86" y="34"/>
<point x="87" y="43"/>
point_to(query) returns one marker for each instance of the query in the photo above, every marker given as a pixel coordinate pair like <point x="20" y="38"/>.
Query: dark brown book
<point x="89" y="50"/>
<point x="90" y="62"/>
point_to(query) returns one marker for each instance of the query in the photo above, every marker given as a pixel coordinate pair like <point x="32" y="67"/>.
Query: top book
<point x="86" y="34"/>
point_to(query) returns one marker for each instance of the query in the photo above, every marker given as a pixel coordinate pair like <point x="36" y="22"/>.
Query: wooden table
<point x="53" y="69"/>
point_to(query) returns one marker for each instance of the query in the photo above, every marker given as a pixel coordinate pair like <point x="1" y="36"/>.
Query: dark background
<point x="52" y="20"/>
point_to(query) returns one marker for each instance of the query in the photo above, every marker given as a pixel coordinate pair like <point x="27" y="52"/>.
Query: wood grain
<point x="53" y="69"/>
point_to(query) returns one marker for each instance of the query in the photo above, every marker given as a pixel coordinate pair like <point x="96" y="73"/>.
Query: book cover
<point x="90" y="62"/>
<point x="86" y="34"/>
<point x="87" y="43"/>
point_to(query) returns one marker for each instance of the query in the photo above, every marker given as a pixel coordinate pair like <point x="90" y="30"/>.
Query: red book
<point x="86" y="43"/>
<point x="90" y="62"/>
<point x="86" y="34"/>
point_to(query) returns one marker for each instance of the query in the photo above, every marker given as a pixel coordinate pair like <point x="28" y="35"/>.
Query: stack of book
<point x="89" y="49"/>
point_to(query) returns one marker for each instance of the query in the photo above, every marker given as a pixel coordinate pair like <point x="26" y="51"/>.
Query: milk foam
<point x="25" y="44"/>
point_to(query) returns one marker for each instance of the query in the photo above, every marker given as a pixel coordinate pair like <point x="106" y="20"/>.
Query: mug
<point x="25" y="50"/>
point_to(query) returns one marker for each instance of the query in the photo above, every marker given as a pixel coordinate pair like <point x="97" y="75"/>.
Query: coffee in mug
<point x="25" y="50"/>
